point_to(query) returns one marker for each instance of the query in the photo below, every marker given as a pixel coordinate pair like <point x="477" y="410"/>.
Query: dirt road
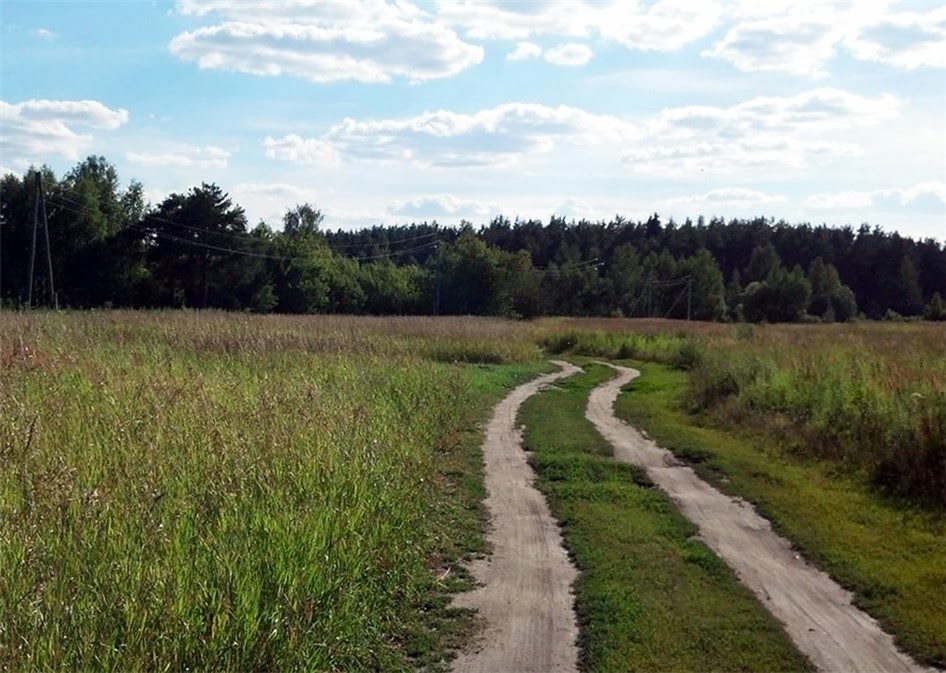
<point x="525" y="594"/>
<point x="817" y="613"/>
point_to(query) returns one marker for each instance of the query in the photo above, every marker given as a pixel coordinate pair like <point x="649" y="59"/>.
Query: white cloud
<point x="798" y="43"/>
<point x="802" y="37"/>
<point x="574" y="208"/>
<point x="924" y="194"/>
<point x="325" y="42"/>
<point x="35" y="130"/>
<point x="665" y="25"/>
<point x="724" y="197"/>
<point x="810" y="128"/>
<point x="905" y="40"/>
<point x="45" y="34"/>
<point x="442" y="206"/>
<point x="269" y="201"/>
<point x="281" y="190"/>
<point x="569" y="54"/>
<point x="524" y="51"/>
<point x="309" y="151"/>
<point x="182" y="157"/>
<point x="764" y="131"/>
<point x="497" y="135"/>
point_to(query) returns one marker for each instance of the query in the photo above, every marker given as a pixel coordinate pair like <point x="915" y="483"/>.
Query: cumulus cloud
<point x="812" y="127"/>
<point x="801" y="37"/>
<point x="569" y="54"/>
<point x="442" y="206"/>
<point x="45" y="34"/>
<point x="34" y="130"/>
<point x="930" y="194"/>
<point x="907" y="40"/>
<point x="665" y="25"/>
<point x="308" y="151"/>
<point x="729" y="197"/>
<point x="325" y="42"/>
<point x="574" y="208"/>
<point x="524" y="51"/>
<point x="269" y="201"/>
<point x="183" y="157"/>
<point x="449" y="139"/>
<point x="772" y="130"/>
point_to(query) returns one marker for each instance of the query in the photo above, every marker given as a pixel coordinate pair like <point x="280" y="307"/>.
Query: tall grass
<point x="869" y="396"/>
<point x="206" y="491"/>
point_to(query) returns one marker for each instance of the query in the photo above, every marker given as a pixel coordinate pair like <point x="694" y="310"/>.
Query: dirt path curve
<point x="817" y="613"/>
<point x="525" y="593"/>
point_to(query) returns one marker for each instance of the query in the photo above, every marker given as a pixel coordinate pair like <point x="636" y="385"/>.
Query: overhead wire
<point x="208" y="246"/>
<point x="248" y="235"/>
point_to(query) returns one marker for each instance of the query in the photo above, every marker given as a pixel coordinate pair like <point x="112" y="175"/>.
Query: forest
<point x="99" y="244"/>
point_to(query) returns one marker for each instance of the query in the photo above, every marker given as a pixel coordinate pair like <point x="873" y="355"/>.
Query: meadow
<point x="203" y="491"/>
<point x="217" y="491"/>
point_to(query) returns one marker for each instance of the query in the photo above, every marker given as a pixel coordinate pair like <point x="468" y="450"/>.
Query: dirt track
<point x="817" y="613"/>
<point x="525" y="593"/>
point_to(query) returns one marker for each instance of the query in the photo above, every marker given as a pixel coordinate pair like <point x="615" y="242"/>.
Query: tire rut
<point x="817" y="613"/>
<point x="525" y="591"/>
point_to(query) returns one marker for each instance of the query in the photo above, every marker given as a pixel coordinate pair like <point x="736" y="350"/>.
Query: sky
<point x="396" y="112"/>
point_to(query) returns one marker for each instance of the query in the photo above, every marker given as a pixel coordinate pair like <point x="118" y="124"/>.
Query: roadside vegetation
<point x="650" y="596"/>
<point x="203" y="491"/>
<point x="836" y="434"/>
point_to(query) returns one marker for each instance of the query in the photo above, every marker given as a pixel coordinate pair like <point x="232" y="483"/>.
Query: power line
<point x="345" y="246"/>
<point x="571" y="265"/>
<point x="208" y="246"/>
<point x="432" y="244"/>
<point x="237" y="235"/>
<point x="248" y="238"/>
<point x="244" y="236"/>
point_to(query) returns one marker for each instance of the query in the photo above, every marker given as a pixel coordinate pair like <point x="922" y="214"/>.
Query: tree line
<point x="109" y="247"/>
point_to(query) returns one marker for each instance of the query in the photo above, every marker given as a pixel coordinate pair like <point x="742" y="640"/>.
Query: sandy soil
<point x="525" y="594"/>
<point x="817" y="613"/>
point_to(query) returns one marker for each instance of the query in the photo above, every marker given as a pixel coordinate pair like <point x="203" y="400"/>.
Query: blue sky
<point x="392" y="112"/>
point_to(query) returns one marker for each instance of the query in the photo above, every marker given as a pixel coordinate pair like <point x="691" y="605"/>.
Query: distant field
<point x="225" y="492"/>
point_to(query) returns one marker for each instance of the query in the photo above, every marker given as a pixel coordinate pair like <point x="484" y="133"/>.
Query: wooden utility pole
<point x="39" y="204"/>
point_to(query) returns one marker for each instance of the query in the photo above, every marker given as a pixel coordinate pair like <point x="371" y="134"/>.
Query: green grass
<point x="891" y="555"/>
<point x="649" y="597"/>
<point x="205" y="491"/>
<point x="870" y="398"/>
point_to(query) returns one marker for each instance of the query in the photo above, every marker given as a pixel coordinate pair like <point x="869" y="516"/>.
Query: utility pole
<point x="650" y="296"/>
<point x="40" y="204"/>
<point x="689" y="296"/>
<point x="437" y="252"/>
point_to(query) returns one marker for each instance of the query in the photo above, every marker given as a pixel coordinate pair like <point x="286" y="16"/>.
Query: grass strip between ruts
<point x="650" y="596"/>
